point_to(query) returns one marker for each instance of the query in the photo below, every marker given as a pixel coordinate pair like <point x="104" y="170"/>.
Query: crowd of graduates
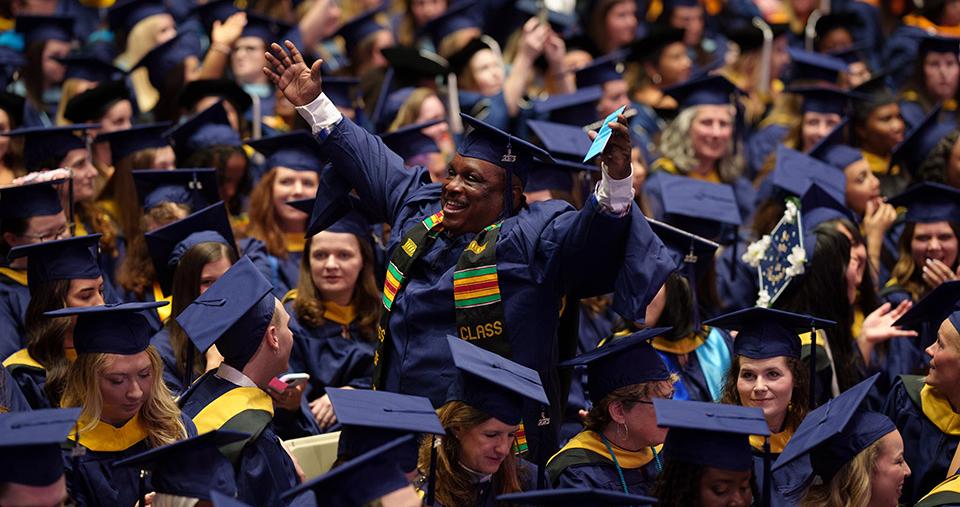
<point x="493" y="252"/>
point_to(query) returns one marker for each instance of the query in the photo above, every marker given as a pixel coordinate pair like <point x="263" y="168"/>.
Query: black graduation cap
<point x="138" y="137"/>
<point x="195" y="187"/>
<point x="920" y="141"/>
<point x="494" y="384"/>
<point x="855" y="53"/>
<point x="622" y="362"/>
<point x="63" y="259"/>
<point x="191" y="467"/>
<point x="89" y="67"/>
<point x="42" y="28"/>
<point x="704" y="90"/>
<point x="411" y="65"/>
<point x="929" y="202"/>
<point x="228" y="89"/>
<point x="766" y="332"/>
<point x="267" y="29"/>
<point x="118" y="328"/>
<point x="930" y="43"/>
<point x="12" y="104"/>
<point x="575" y="497"/>
<point x="458" y="16"/>
<point x="658" y="37"/>
<point x="847" y="20"/>
<point x="41" y="144"/>
<point x="161" y="60"/>
<point x="169" y="243"/>
<point x="125" y="14"/>
<point x="409" y="141"/>
<point x="750" y="38"/>
<point x="30" y="444"/>
<point x="601" y="70"/>
<point x="355" y="30"/>
<point x="298" y="150"/>
<point x="210" y="127"/>
<point x="461" y="59"/>
<point x="823" y="99"/>
<point x="715" y="435"/>
<point x="30" y="200"/>
<point x="93" y="104"/>
<point x="932" y="309"/>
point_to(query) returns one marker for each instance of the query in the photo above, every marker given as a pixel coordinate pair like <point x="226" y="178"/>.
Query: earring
<point x="656" y="78"/>
<point x="620" y="432"/>
<point x="626" y="431"/>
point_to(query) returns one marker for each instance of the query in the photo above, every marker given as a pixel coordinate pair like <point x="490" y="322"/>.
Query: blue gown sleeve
<point x="11" y="398"/>
<point x="265" y="471"/>
<point x="13" y="307"/>
<point x="26" y="383"/>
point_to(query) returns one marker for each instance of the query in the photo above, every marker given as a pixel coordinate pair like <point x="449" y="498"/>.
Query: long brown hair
<point x="308" y="304"/>
<point x="263" y="218"/>
<point x="123" y="192"/>
<point x="906" y="272"/>
<point x="799" y="395"/>
<point x="45" y="334"/>
<point x="136" y="273"/>
<point x="454" y="486"/>
<point x="32" y="74"/>
<point x="186" y="288"/>
<point x="159" y="413"/>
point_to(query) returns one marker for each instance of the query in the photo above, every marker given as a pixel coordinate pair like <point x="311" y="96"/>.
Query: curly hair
<point x="934" y="167"/>
<point x="850" y="486"/>
<point x="799" y="394"/>
<point x="676" y="145"/>
<point x="598" y="418"/>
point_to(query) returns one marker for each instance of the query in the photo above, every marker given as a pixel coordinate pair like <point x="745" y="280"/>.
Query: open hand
<point x="878" y="326"/>
<point x="287" y="70"/>
<point x="228" y="31"/>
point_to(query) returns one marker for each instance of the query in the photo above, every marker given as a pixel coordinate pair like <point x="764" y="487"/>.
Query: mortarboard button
<point x="30" y="444"/>
<point x="766" y="332"/>
<point x="710" y="434"/>
<point x="63" y="259"/>
<point x="110" y="329"/>
<point x="124" y="143"/>
<point x="298" y="150"/>
<point x="195" y="187"/>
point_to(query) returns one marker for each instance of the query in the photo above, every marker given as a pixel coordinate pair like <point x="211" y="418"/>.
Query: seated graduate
<point x="476" y="459"/>
<point x="372" y="478"/>
<point x="29" y="213"/>
<point x="620" y="448"/>
<point x="573" y="497"/>
<point x="186" y="472"/>
<point x="31" y="472"/>
<point x="188" y="255"/>
<point x="248" y="324"/>
<point x="334" y="311"/>
<point x="62" y="274"/>
<point x="117" y="379"/>
<point x="944" y="494"/>
<point x="843" y="454"/>
<point x="708" y="460"/>
<point x="923" y="408"/>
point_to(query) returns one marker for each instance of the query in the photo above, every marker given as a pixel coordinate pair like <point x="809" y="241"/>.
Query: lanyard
<point x="623" y="481"/>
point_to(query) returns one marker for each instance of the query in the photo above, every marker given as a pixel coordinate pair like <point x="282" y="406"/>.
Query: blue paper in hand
<point x="600" y="142"/>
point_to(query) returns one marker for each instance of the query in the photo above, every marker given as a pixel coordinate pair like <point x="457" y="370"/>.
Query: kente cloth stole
<point x="476" y="290"/>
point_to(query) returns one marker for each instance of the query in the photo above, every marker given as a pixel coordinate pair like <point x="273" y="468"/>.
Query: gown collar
<point x="938" y="410"/>
<point x="105" y="437"/>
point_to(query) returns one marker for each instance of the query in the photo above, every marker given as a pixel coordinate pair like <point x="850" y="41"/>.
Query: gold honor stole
<point x="777" y="441"/>
<point x="938" y="411"/>
<point x="104" y="437"/>
<point x="945" y="493"/>
<point x="590" y="441"/>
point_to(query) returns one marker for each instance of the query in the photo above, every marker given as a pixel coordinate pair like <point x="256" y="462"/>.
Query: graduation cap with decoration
<point x="819" y="205"/>
<point x="929" y="202"/>
<point x="233" y="313"/>
<point x="194" y="187"/>
<point x="125" y="14"/>
<point x="43" y="28"/>
<point x="93" y="104"/>
<point x="601" y="70"/>
<point x="927" y="314"/>
<point x="227" y="89"/>
<point x="355" y="30"/>
<point x="577" y="108"/>
<point x="564" y="142"/>
<point x="828" y="438"/>
<point x="692" y="253"/>
<point x="124" y="143"/>
<point x="823" y="99"/>
<point x="208" y="128"/>
<point x="297" y="150"/>
<point x="458" y="16"/>
<point x="120" y="328"/>
<point x="362" y="480"/>
<point x="89" y="67"/>
<point x="409" y="141"/>
<point x="795" y="172"/>
<point x="45" y="144"/>
<point x="622" y="362"/>
<point x="30" y="200"/>
<point x="807" y="66"/>
<point x="920" y="141"/>
<point x="168" y="244"/>
<point x="163" y="59"/>
<point x="189" y="468"/>
<point x="781" y="255"/>
<point x="575" y="497"/>
<point x="30" y="444"/>
<point x="62" y="259"/>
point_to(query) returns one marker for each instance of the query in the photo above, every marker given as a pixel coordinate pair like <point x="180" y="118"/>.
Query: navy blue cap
<point x="89" y="67"/>
<point x="929" y="202"/>
<point x="920" y="141"/>
<point x="565" y="141"/>
<point x="657" y="38"/>
<point x="195" y="187"/>
<point x="62" y="259"/>
<point x="781" y="255"/>
<point x="700" y="207"/>
<point x="574" y="497"/>
<point x="750" y="38"/>
<point x="30" y="444"/>
<point x="233" y="313"/>
<point x="267" y="29"/>
<point x="828" y="438"/>
<point x="214" y="10"/>
<point x="355" y="30"/>
<point x="138" y="137"/>
<point x="714" y="435"/>
<point x="819" y="205"/>
<point x="353" y="222"/>
<point x="170" y="242"/>
<point x="622" y="362"/>
<point x="190" y="467"/>
<point x="362" y="480"/>
<point x="298" y="150"/>
<point x="332" y="202"/>
<point x="933" y="308"/>
<point x="458" y="16"/>
<point x="125" y="14"/>
<point x="120" y="328"/>
<point x="341" y="90"/>
<point x="685" y="248"/>
<point x="409" y="141"/>
<point x="577" y="108"/>
<point x="823" y="99"/>
<point x="206" y="129"/>
<point x="810" y="66"/>
<point x="411" y="65"/>
<point x="930" y="43"/>
<point x="704" y="90"/>
<point x="41" y="144"/>
<point x="373" y="418"/>
<point x="228" y="89"/>
<point x="42" y="28"/>
<point x="486" y="142"/>
<point x="161" y="60"/>
<point x="30" y="200"/>
<point x="91" y="105"/>
<point x="795" y="172"/>
<point x="601" y="70"/>
<point x="494" y="384"/>
<point x="833" y="150"/>
<point x="766" y="332"/>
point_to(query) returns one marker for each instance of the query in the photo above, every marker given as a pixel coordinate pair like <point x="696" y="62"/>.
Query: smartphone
<point x="288" y="381"/>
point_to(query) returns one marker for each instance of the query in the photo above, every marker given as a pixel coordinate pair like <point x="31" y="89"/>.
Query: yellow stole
<point x="880" y="165"/>
<point x="949" y="489"/>
<point x="79" y="229"/>
<point x="17" y="275"/>
<point x="591" y="441"/>
<point x="294" y="241"/>
<point x="927" y="25"/>
<point x="777" y="441"/>
<point x="684" y="345"/>
<point x="231" y="403"/>
<point x="105" y="437"/>
<point x="857" y="325"/>
<point x="669" y="166"/>
<point x="339" y="314"/>
<point x="939" y="412"/>
<point x="163" y="311"/>
<point x="22" y="357"/>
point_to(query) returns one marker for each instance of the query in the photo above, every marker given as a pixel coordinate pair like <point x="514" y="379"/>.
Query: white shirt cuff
<point x="320" y="114"/>
<point x="615" y="196"/>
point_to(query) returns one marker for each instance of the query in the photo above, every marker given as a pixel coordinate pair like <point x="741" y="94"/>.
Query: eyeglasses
<point x="648" y="402"/>
<point x="41" y="238"/>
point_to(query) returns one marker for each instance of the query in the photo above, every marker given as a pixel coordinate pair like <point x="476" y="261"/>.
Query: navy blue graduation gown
<point x="541" y="254"/>
<point x="737" y="282"/>
<point x="927" y="449"/>
<point x="264" y="469"/>
<point x="29" y="376"/>
<point x="762" y="143"/>
<point x="14" y="298"/>
<point x="11" y="399"/>
<point x="584" y="462"/>
<point x="92" y="481"/>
